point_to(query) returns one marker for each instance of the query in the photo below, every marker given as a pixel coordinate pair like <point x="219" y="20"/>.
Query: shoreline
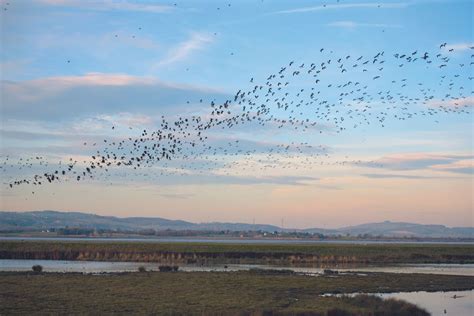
<point x="235" y="240"/>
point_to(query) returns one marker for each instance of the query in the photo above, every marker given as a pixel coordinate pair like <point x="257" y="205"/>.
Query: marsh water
<point x="455" y="303"/>
<point x="109" y="267"/>
<point x="436" y="303"/>
<point x="229" y="240"/>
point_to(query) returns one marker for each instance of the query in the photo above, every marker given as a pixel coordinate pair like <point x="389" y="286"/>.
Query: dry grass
<point x="238" y="253"/>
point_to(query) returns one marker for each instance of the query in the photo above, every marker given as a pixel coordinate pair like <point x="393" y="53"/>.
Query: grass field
<point x="238" y="253"/>
<point x="203" y="292"/>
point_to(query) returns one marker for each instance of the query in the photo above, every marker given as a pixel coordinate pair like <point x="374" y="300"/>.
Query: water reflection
<point x="108" y="267"/>
<point x="74" y="266"/>
<point x="447" y="269"/>
<point x="454" y="303"/>
<point x="458" y="303"/>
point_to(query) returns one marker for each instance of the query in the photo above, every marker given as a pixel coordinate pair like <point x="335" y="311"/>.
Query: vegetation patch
<point x="213" y="253"/>
<point x="230" y="293"/>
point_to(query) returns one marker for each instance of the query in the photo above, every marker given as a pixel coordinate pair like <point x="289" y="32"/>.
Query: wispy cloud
<point x="36" y="136"/>
<point x="459" y="47"/>
<point x="467" y="101"/>
<point x="59" y="83"/>
<point x="133" y="120"/>
<point x="422" y="161"/>
<point x="196" y="42"/>
<point x="109" y="5"/>
<point x="45" y="87"/>
<point x="124" y="119"/>
<point x="393" y="176"/>
<point x="367" y="5"/>
<point x="239" y="180"/>
<point x="353" y="25"/>
<point x="461" y="166"/>
<point x="97" y="79"/>
<point x="55" y="98"/>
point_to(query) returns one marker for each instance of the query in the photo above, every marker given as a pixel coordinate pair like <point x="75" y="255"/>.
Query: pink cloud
<point x="467" y="101"/>
<point x="414" y="161"/>
<point x="460" y="166"/>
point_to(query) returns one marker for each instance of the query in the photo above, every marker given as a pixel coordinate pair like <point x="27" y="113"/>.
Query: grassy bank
<point x="189" y="253"/>
<point x="200" y="292"/>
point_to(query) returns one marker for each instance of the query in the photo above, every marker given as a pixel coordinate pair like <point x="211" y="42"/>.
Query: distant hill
<point x="53" y="219"/>
<point x="40" y="220"/>
<point x="399" y="229"/>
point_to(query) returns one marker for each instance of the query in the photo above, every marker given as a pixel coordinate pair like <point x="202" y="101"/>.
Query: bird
<point x="345" y="103"/>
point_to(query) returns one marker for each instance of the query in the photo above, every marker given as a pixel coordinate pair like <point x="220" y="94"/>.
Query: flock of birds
<point x="332" y="95"/>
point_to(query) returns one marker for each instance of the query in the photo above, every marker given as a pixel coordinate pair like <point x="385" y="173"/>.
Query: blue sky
<point x="71" y="69"/>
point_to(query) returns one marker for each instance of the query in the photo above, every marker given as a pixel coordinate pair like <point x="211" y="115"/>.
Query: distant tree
<point x="141" y="269"/>
<point x="37" y="268"/>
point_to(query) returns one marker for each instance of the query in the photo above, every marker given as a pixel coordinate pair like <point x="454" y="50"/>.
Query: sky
<point x="71" y="69"/>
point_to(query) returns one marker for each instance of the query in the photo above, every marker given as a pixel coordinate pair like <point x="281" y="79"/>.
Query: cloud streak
<point x="238" y="180"/>
<point x="466" y="101"/>
<point x="421" y="161"/>
<point x="325" y="7"/>
<point x="458" y="47"/>
<point x="52" y="98"/>
<point x="460" y="166"/>
<point x="196" y="42"/>
<point x="393" y="176"/>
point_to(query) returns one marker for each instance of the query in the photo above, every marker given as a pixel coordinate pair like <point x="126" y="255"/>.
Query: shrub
<point x="141" y="269"/>
<point x="271" y="271"/>
<point x="380" y="306"/>
<point x="168" y="268"/>
<point x="37" y="268"/>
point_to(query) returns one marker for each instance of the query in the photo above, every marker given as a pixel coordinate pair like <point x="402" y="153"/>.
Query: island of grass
<point x="231" y="293"/>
